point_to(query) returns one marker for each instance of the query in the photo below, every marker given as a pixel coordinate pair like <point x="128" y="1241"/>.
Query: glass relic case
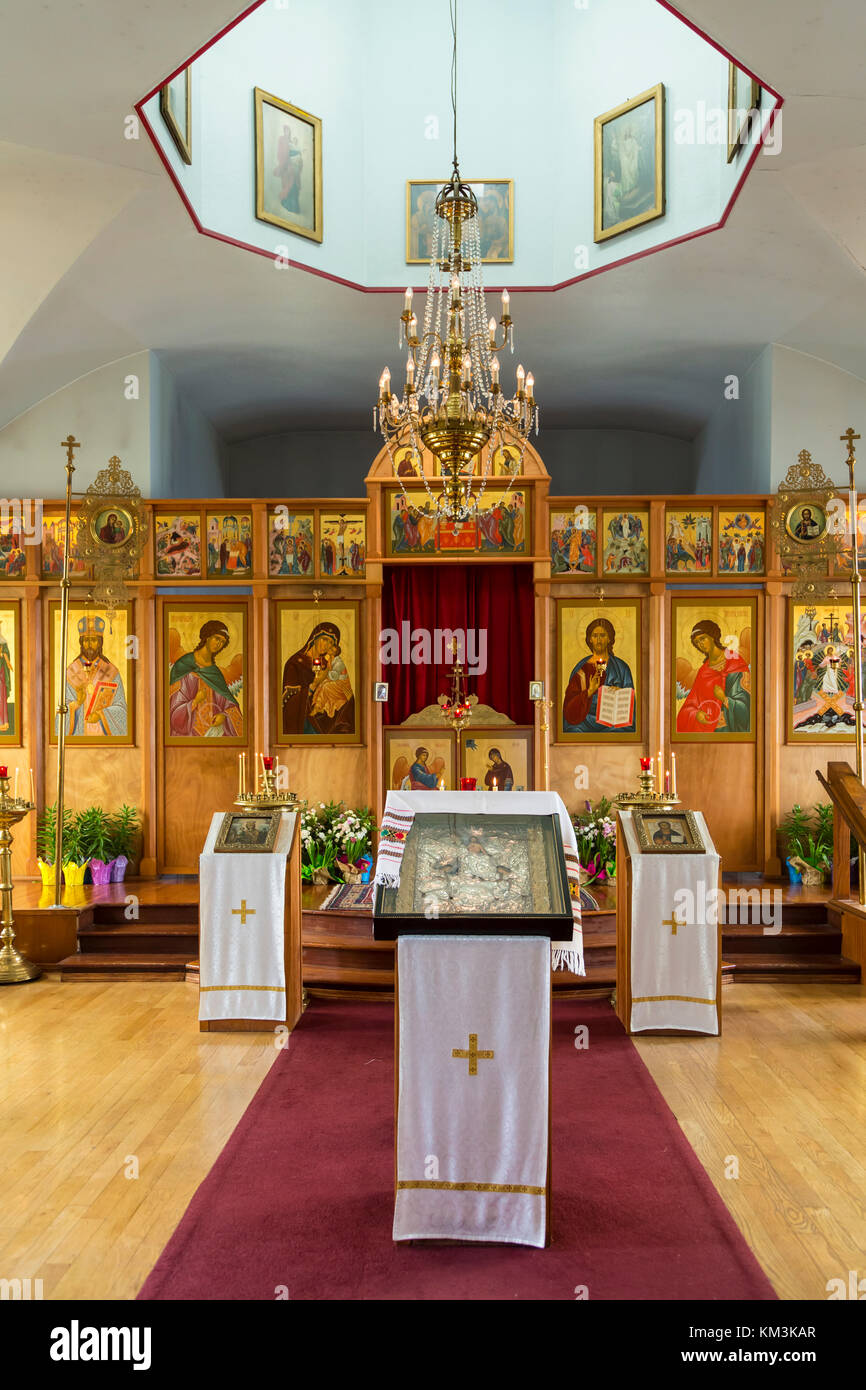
<point x="482" y="874"/>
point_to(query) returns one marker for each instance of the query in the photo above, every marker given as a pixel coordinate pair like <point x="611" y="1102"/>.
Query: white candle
<point x="407" y="300"/>
<point x="661" y="771"/>
<point x="530" y="386"/>
<point x="15" y="792"/>
<point x="520" y="377"/>
<point x="506" y="304"/>
<point x="491" y="329"/>
<point x="673" y="774"/>
<point x="495" y="788"/>
<point x="413" y="326"/>
<point x="32" y="792"/>
<point x="494" y="370"/>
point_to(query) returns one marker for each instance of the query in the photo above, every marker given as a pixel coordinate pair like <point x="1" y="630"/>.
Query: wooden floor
<point x="100" y="1077"/>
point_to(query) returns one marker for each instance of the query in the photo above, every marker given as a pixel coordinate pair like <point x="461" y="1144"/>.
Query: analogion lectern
<point x="474" y="887"/>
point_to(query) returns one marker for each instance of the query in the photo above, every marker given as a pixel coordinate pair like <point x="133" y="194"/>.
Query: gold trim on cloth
<point x="472" y="1187"/>
<point x="681" y="998"/>
<point x="264" y="989"/>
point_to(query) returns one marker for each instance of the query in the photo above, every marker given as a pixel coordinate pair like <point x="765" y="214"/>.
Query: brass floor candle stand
<point x="14" y="969"/>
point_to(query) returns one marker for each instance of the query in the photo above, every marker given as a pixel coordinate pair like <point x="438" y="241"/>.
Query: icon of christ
<point x="587" y="707"/>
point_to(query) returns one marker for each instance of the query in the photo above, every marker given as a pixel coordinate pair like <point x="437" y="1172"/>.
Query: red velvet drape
<point x="496" y="598"/>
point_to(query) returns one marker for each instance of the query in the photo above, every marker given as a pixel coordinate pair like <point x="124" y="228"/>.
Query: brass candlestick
<point x="14" y="969"/>
<point x="647" y="797"/>
<point x="266" y="796"/>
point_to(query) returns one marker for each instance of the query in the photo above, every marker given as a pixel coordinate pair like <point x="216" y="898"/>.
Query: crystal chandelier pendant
<point x="452" y="402"/>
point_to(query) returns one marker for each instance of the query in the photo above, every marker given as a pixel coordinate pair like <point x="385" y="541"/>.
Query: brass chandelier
<point x="452" y="403"/>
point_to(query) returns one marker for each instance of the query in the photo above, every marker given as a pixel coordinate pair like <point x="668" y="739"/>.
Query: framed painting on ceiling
<point x="713" y="677"/>
<point x="288" y="166"/>
<point x="317" y="663"/>
<point x="291" y="544"/>
<point x="204" y="664"/>
<point x="630" y="164"/>
<point x="420" y="759"/>
<point x="10" y="672"/>
<point x="599" y="682"/>
<point x="175" y="107"/>
<point x="500" y="759"/>
<point x="495" y="219"/>
<point x="98" y="687"/>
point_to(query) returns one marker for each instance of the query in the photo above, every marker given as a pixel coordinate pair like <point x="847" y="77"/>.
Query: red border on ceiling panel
<point x="515" y="289"/>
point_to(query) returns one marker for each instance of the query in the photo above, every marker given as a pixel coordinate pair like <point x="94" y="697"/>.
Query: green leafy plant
<point x="94" y="835"/>
<point x="331" y="833"/>
<point x="124" y="829"/>
<point x="46" y="833"/>
<point x="595" y="830"/>
<point x="808" y="836"/>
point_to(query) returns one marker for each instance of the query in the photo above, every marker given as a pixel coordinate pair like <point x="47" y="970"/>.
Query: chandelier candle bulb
<point x="530" y="386"/>
<point x="494" y="370"/>
<point x="407" y="300"/>
<point x="413" y="326"/>
<point x="521" y="376"/>
<point x="506" y="304"/>
<point x="491" y="329"/>
<point x="410" y="371"/>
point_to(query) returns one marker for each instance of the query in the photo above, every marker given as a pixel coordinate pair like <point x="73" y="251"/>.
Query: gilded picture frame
<point x="181" y="134"/>
<point x="417" y="759"/>
<point x="819" y="693"/>
<point x="293" y="150"/>
<point x="248" y="832"/>
<point x="204" y="702"/>
<point x="495" y="225"/>
<point x="714" y="646"/>
<point x="738" y="128"/>
<point x="667" y="831"/>
<point x="613" y="157"/>
<point x="317" y="671"/>
<point x="581" y="651"/>
<point x="98" y="657"/>
<point x="511" y="771"/>
<point x="10" y="673"/>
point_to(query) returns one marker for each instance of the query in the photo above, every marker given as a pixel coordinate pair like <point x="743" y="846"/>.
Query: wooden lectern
<point x="292" y="956"/>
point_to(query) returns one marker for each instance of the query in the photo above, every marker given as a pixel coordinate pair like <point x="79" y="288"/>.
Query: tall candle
<point x="240" y="774"/>
<point x="652" y="767"/>
<point x="667" y="783"/>
<point x="661" y="769"/>
<point x="32" y="792"/>
<point x="16" y="784"/>
<point x="673" y="774"/>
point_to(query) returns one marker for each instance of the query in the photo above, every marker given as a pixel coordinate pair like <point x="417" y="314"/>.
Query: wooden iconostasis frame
<point x="743" y="788"/>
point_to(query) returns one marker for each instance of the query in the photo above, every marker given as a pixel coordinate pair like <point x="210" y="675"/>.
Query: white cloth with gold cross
<point x="473" y="1088"/>
<point x="242" y="970"/>
<point x="674" y="948"/>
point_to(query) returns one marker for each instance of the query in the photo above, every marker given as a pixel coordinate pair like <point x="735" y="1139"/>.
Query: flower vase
<point x="119" y="867"/>
<point x="73" y="874"/>
<point x="100" y="870"/>
<point x="46" y="873"/>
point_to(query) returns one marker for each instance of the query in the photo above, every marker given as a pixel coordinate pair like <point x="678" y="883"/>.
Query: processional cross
<point x="243" y="912"/>
<point x="471" y="1054"/>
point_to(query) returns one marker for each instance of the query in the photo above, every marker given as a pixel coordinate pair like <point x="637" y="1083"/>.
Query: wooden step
<point x="158" y="938"/>
<point x="755" y="968"/>
<point x="149" y="914"/>
<point x="103" y="966"/>
<point x="817" y="939"/>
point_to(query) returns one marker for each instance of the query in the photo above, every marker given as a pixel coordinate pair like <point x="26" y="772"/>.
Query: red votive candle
<point x="4" y="772"/>
<point x="467" y="784"/>
<point x="645" y="764"/>
<point x="268" y="764"/>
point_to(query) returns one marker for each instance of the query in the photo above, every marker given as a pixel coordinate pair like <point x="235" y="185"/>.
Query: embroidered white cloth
<point x="674" y="949"/>
<point x="399" y="814"/>
<point x="242" y="972"/>
<point x="473" y="1092"/>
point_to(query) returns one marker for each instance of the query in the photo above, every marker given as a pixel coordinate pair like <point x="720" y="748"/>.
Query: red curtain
<point x="495" y="599"/>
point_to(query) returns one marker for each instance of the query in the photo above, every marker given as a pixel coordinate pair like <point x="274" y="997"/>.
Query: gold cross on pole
<point x="472" y="1054"/>
<point x="848" y="438"/>
<point x="69" y="443"/>
<point x="243" y="912"/>
<point x="673" y="924"/>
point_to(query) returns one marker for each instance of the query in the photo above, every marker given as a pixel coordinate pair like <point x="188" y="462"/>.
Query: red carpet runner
<point x="302" y="1194"/>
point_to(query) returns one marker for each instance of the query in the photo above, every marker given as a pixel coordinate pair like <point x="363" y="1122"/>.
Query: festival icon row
<point x="191" y="544"/>
<point x="624" y="544"/>
<point x="426" y="759"/>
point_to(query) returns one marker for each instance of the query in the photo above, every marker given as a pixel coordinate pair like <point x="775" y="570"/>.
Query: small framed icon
<point x="536" y="690"/>
<point x="380" y="692"/>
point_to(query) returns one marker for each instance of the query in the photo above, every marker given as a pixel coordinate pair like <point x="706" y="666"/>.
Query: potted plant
<point x="595" y="831"/>
<point x="46" y="840"/>
<point x="808" y="842"/>
<point x="124" y="828"/>
<point x="353" y="832"/>
<point x="318" y="847"/>
<point x="75" y="859"/>
<point x="94" y="835"/>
